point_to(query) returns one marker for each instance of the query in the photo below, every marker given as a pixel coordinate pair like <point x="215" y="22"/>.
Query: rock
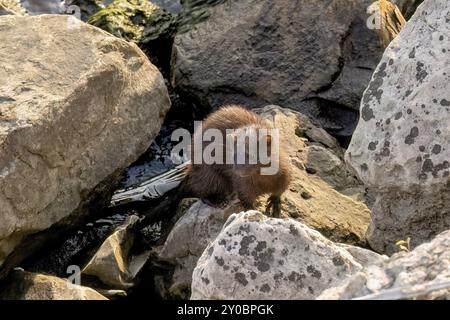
<point x="22" y="285"/>
<point x="186" y="242"/>
<point x="255" y="52"/>
<point x="87" y="7"/>
<point x="11" y="7"/>
<point x="400" y="147"/>
<point x="113" y="264"/>
<point x="322" y="187"/>
<point x="36" y="7"/>
<point x="83" y="107"/>
<point x="143" y="23"/>
<point x="404" y="275"/>
<point x="255" y="257"/>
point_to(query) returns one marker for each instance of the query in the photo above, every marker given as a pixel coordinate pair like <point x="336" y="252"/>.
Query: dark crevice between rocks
<point x="337" y="119"/>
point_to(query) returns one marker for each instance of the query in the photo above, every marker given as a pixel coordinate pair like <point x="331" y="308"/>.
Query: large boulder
<point x="421" y="274"/>
<point x="255" y="257"/>
<point x="199" y="225"/>
<point x="401" y="145"/>
<point x="257" y="52"/>
<point x="77" y="106"/>
<point x="22" y="285"/>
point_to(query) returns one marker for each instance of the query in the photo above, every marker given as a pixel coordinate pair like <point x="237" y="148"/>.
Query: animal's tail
<point x="153" y="188"/>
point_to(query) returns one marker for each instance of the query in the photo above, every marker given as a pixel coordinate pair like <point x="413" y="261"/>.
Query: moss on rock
<point x="134" y="20"/>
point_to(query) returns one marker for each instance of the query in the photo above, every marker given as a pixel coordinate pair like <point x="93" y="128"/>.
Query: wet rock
<point x="255" y="257"/>
<point x="77" y="107"/>
<point x="228" y="58"/>
<point x="113" y="263"/>
<point x="400" y="147"/>
<point x="22" y="285"/>
<point x="405" y="275"/>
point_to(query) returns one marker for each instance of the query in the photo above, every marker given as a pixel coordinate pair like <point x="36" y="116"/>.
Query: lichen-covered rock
<point x="22" y="285"/>
<point x="257" y="52"/>
<point x="401" y="144"/>
<point x="77" y="107"/>
<point x="405" y="275"/>
<point x="113" y="263"/>
<point x="255" y="257"/>
<point x="133" y="20"/>
<point x="192" y="233"/>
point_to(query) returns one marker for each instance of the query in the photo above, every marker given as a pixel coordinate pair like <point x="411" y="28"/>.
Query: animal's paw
<point x="273" y="207"/>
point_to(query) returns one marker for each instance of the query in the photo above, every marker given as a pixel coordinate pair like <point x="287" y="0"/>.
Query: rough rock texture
<point x="113" y="264"/>
<point x="23" y="285"/>
<point x="192" y="233"/>
<point x="76" y="107"/>
<point x="401" y="144"/>
<point x="255" y="257"/>
<point x="428" y="264"/>
<point x="257" y="52"/>
<point x="320" y="194"/>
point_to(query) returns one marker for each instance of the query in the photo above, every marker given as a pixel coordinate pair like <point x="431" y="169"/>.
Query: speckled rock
<point x="255" y="257"/>
<point x="401" y="145"/>
<point x="76" y="108"/>
<point x="186" y="242"/>
<point x="22" y="285"/>
<point x="257" y="52"/>
<point x="404" y="275"/>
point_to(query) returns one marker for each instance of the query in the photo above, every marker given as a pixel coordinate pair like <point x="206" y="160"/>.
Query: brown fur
<point x="216" y="182"/>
